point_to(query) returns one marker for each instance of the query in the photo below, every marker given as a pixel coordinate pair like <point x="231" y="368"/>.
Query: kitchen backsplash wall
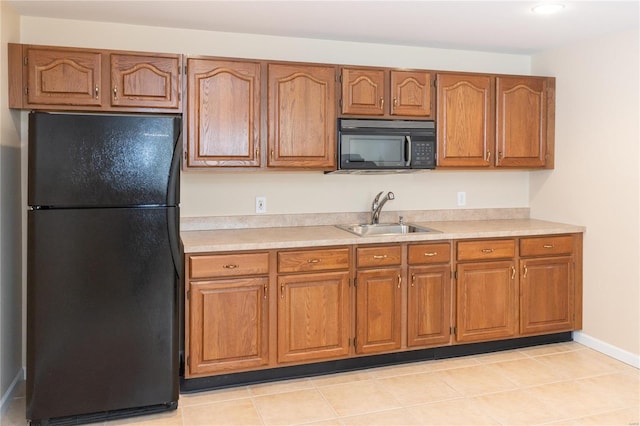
<point x="219" y="194"/>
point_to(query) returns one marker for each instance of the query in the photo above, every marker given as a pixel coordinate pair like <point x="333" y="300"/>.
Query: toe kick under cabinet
<point x="255" y="310"/>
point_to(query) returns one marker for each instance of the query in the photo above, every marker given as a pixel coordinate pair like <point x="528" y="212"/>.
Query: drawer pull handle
<point x="525" y="272"/>
<point x="413" y="280"/>
<point x="431" y="253"/>
<point x="513" y="272"/>
<point x="379" y="256"/>
<point x="265" y="291"/>
<point x="399" y="280"/>
<point x="281" y="291"/>
<point x="313" y="261"/>
<point x="487" y="250"/>
<point x="548" y="246"/>
<point x="97" y="92"/>
<point x="115" y="93"/>
<point x="230" y="266"/>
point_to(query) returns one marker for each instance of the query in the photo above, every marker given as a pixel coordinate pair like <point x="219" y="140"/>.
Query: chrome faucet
<point x="376" y="206"/>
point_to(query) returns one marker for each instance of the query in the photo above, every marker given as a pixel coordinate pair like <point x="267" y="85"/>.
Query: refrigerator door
<point x="102" y="314"/>
<point x="91" y="160"/>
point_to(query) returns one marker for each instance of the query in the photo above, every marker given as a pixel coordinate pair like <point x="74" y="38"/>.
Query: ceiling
<point x="492" y="26"/>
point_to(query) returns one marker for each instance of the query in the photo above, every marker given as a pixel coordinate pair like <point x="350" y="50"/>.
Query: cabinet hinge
<point x="188" y="294"/>
<point x="189" y="361"/>
<point x="26" y="90"/>
<point x="452" y="330"/>
<point x="455" y="274"/>
<point x="355" y="282"/>
<point x="340" y="103"/>
<point x="25" y="60"/>
<point x="185" y="155"/>
<point x="355" y="342"/>
<point x="185" y="69"/>
<point x="435" y="83"/>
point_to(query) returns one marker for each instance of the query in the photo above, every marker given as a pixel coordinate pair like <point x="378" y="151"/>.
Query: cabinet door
<point x="429" y="306"/>
<point x="378" y="310"/>
<point x="302" y="116"/>
<point x="313" y="316"/>
<point x="363" y="91"/>
<point x="228" y="325"/>
<point x="465" y="120"/>
<point x="145" y="81"/>
<point x="546" y="295"/>
<point x="223" y="113"/>
<point x="521" y="133"/>
<point x="486" y="301"/>
<point x="64" y="77"/>
<point x="411" y="93"/>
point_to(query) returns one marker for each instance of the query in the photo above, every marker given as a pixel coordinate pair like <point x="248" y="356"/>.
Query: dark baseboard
<point x="348" y="364"/>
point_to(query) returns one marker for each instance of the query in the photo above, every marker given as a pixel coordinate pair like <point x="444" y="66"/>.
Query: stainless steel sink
<point x="370" y="230"/>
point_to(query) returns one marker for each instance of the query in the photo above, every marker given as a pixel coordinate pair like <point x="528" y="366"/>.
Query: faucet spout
<point x="376" y="206"/>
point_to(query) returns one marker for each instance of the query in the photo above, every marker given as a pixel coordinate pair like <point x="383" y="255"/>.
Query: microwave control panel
<point x="423" y="154"/>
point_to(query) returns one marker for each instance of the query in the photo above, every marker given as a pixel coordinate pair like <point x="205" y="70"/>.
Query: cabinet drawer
<point x="378" y="256"/>
<point x="487" y="249"/>
<point x="429" y="253"/>
<point x="313" y="260"/>
<point x="224" y="265"/>
<point x="541" y="246"/>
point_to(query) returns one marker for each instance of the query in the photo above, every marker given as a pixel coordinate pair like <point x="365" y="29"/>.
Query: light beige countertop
<point x="218" y="240"/>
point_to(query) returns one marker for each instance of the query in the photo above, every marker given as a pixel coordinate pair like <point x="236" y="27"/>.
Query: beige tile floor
<point x="560" y="384"/>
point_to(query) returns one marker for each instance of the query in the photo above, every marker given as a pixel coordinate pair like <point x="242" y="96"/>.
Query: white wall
<point x="597" y="183"/>
<point x="216" y="194"/>
<point x="11" y="211"/>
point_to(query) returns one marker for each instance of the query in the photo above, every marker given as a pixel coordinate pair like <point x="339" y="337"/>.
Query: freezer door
<point x="92" y="160"/>
<point x="102" y="314"/>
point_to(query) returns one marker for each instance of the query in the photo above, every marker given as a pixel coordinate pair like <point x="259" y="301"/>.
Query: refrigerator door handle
<point x="173" y="187"/>
<point x="173" y="218"/>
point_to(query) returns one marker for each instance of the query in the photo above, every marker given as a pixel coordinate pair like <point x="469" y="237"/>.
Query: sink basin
<point x="368" y="230"/>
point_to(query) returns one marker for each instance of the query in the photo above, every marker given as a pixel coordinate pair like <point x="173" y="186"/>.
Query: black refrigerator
<point x="103" y="266"/>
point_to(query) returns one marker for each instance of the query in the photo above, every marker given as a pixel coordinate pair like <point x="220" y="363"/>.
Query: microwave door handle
<point x="407" y="150"/>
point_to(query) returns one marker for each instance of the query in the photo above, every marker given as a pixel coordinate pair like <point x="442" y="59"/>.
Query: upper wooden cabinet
<point x="145" y="80"/>
<point x="464" y="125"/>
<point x="301" y="114"/>
<point x="521" y="121"/>
<point x="59" y="78"/>
<point x="382" y="92"/>
<point x="495" y="121"/>
<point x="223" y="113"/>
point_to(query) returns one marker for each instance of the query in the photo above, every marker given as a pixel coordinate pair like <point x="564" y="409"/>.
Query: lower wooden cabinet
<point x="313" y="316"/>
<point x="547" y="284"/>
<point x="228" y="323"/>
<point x="486" y="301"/>
<point x="274" y="308"/>
<point x="378" y="310"/>
<point x="429" y="306"/>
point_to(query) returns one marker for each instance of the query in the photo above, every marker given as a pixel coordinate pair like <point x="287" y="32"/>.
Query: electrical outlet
<point x="261" y="204"/>
<point x="462" y="198"/>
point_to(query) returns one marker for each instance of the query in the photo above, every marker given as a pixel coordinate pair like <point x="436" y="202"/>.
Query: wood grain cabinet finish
<point x="313" y="304"/>
<point x="301" y="116"/>
<point x="223" y="113"/>
<point x="464" y="123"/>
<point x="429" y="295"/>
<point x="382" y="92"/>
<point x="145" y="81"/>
<point x="521" y="121"/>
<point x="313" y="316"/>
<point x="378" y="299"/>
<point x="486" y="290"/>
<point x="547" y="285"/>
<point x="227" y="313"/>
<point x="63" y="78"/>
<point x="495" y="121"/>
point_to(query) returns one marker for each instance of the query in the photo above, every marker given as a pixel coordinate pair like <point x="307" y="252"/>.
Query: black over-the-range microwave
<point x="386" y="145"/>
